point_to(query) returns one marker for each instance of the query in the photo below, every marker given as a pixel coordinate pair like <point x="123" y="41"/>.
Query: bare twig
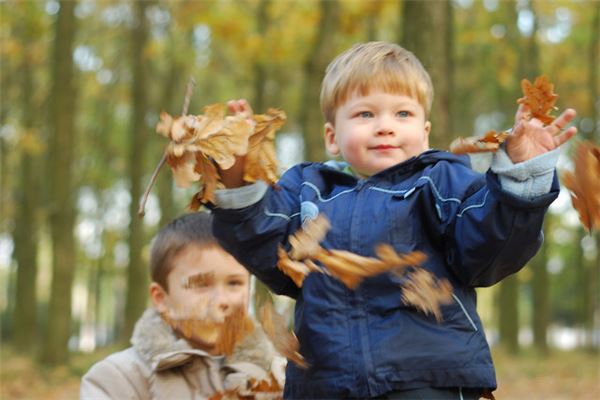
<point x="186" y="104"/>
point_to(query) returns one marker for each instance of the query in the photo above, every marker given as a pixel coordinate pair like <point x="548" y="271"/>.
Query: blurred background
<point x="82" y="84"/>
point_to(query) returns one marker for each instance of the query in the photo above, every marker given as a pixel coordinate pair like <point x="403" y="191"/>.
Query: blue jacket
<point x="366" y="342"/>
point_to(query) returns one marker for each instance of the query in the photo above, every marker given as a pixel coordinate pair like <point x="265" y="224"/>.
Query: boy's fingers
<point x="522" y="113"/>
<point x="560" y="123"/>
<point x="566" y="135"/>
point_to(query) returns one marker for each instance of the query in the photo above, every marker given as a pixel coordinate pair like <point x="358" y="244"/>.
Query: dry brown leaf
<point x="261" y="160"/>
<point x="305" y="242"/>
<point x="198" y="142"/>
<point x="539" y="98"/>
<point x="237" y="326"/>
<point x="230" y="331"/>
<point x="296" y="270"/>
<point x="491" y="141"/>
<point x="285" y="342"/>
<point x="584" y="184"/>
<point x="269" y="385"/>
<point x="423" y="291"/>
<point x="266" y="125"/>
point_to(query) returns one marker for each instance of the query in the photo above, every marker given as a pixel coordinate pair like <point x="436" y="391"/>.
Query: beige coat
<point x="160" y="365"/>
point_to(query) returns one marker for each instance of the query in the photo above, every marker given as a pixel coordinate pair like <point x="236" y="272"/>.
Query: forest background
<point x="82" y="84"/>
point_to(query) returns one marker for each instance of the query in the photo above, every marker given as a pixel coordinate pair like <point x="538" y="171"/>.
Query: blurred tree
<point x="427" y="31"/>
<point x="530" y="69"/>
<point x="61" y="207"/>
<point x="137" y="281"/>
<point x="311" y="120"/>
<point x="27" y="225"/>
<point x="591" y="274"/>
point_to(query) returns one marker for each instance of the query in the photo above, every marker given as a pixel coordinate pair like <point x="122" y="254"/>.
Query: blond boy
<point x="392" y="188"/>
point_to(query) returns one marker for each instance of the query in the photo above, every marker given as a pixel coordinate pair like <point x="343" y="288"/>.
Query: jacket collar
<point x="158" y="345"/>
<point x="162" y="349"/>
<point x="419" y="162"/>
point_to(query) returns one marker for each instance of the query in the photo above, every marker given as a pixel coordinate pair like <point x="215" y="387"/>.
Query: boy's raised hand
<point x="530" y="138"/>
<point x="234" y="176"/>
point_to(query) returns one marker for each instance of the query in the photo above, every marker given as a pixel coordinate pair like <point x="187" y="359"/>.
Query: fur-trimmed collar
<point x="162" y="349"/>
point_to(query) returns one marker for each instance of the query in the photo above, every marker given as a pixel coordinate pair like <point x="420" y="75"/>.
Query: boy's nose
<point x="385" y="126"/>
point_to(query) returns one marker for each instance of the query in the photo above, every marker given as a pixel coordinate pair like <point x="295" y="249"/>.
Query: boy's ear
<point x="330" y="141"/>
<point x="158" y="295"/>
<point x="427" y="132"/>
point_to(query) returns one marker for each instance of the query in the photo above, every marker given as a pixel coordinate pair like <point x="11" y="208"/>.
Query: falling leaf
<point x="491" y="141"/>
<point x="285" y="342"/>
<point x="539" y="98"/>
<point x="201" y="322"/>
<point x="584" y="184"/>
<point x="423" y="291"/>
<point x="305" y="242"/>
<point x="237" y="327"/>
<point x="296" y="270"/>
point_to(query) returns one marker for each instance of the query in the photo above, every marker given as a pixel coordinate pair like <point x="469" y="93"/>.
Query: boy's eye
<point x="236" y="282"/>
<point x="403" y="114"/>
<point x="365" y="114"/>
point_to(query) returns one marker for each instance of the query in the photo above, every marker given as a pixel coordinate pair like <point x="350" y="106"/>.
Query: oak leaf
<point x="200" y="143"/>
<point x="423" y="291"/>
<point x="539" y="98"/>
<point x="284" y="341"/>
<point x="296" y="270"/>
<point x="261" y="160"/>
<point x="584" y="184"/>
<point x="491" y="141"/>
<point x="305" y="242"/>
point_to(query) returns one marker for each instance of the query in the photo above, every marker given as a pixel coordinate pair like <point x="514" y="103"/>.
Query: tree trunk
<point x="311" y="119"/>
<point x="427" y="31"/>
<point x="137" y="273"/>
<point x="26" y="228"/>
<point x="541" y="293"/>
<point x="259" y="67"/>
<point x="61" y="199"/>
<point x="508" y="324"/>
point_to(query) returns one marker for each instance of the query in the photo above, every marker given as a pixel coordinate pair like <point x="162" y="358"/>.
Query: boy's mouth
<point x="384" y="147"/>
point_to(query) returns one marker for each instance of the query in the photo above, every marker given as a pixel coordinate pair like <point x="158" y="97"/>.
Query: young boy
<point x="168" y="361"/>
<point x="475" y="229"/>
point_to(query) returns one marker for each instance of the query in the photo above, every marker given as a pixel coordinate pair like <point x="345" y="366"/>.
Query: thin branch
<point x="186" y="104"/>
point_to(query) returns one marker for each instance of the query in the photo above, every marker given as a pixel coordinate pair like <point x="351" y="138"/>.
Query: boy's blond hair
<point x="374" y="65"/>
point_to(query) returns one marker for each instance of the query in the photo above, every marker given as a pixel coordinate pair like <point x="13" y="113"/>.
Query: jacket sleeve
<point x="253" y="232"/>
<point x="113" y="379"/>
<point x="497" y="228"/>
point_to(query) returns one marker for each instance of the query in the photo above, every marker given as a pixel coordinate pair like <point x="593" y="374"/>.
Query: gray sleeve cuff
<point x="241" y="197"/>
<point x="527" y="179"/>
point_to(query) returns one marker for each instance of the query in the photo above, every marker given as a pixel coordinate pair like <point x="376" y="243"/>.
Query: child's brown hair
<point x="189" y="229"/>
<point x="374" y="65"/>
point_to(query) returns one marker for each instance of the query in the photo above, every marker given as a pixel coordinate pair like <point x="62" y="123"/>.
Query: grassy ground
<point x="562" y="375"/>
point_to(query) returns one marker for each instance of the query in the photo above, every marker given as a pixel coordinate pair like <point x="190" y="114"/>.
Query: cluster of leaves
<point x="538" y="97"/>
<point x="200" y="145"/>
<point x="419" y="288"/>
<point x="584" y="184"/>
